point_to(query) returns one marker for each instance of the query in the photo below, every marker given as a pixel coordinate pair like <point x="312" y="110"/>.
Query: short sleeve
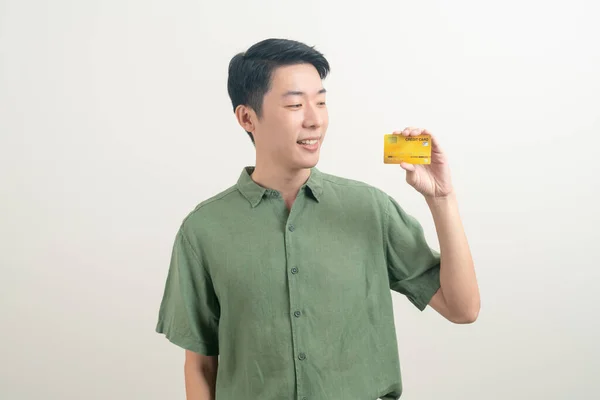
<point x="189" y="311"/>
<point x="413" y="267"/>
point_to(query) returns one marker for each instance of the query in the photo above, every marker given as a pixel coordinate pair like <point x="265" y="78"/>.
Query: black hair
<point x="250" y="72"/>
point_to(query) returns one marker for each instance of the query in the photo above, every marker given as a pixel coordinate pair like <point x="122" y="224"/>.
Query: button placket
<point x="296" y="303"/>
<point x="294" y="271"/>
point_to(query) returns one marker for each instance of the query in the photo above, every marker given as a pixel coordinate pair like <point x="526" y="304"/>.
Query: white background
<point x="115" y="122"/>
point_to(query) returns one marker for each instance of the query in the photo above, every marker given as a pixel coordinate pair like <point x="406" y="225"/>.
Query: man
<point x="279" y="287"/>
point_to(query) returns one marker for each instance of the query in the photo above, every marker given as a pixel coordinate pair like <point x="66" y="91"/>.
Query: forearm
<point x="457" y="273"/>
<point x="200" y="381"/>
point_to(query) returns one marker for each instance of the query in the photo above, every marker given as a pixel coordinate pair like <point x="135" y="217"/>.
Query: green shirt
<point x="297" y="304"/>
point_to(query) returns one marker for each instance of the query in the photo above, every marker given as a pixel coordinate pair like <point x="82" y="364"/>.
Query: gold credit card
<point x="410" y="149"/>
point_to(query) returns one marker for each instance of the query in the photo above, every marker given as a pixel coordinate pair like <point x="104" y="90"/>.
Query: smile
<point x="308" y="141"/>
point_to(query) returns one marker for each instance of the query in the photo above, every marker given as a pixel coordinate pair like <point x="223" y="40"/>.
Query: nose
<point x="313" y="117"/>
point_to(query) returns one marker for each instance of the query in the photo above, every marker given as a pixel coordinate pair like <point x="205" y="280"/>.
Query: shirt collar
<point x="254" y="193"/>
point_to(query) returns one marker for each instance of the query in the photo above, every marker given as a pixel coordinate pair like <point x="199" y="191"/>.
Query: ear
<point x="246" y="117"/>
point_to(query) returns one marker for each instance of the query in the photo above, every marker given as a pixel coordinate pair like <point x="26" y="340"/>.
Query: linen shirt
<point x="297" y="304"/>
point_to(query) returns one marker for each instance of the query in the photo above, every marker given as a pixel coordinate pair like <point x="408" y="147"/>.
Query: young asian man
<point x="279" y="287"/>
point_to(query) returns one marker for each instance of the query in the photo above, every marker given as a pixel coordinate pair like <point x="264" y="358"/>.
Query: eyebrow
<point x="299" y="93"/>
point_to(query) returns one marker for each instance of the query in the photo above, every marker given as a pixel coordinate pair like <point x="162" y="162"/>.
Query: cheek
<point x="324" y="114"/>
<point x="283" y="119"/>
<point x="293" y="119"/>
<point x="287" y="126"/>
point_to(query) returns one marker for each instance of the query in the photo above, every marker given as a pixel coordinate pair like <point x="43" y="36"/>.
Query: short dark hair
<point x="250" y="72"/>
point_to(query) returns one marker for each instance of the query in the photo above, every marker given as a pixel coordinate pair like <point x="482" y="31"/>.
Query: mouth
<point x="310" y="144"/>
<point x="308" y="141"/>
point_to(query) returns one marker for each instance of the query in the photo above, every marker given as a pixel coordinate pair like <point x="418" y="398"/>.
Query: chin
<point x="309" y="162"/>
<point x="303" y="164"/>
<point x="301" y="160"/>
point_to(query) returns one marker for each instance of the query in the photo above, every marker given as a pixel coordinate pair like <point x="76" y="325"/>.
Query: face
<point x="294" y="119"/>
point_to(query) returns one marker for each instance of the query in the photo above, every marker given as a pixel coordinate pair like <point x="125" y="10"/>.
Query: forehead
<point x="301" y="77"/>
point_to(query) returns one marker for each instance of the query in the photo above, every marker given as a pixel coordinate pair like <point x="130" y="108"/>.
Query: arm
<point x="458" y="298"/>
<point x="189" y="315"/>
<point x="200" y="376"/>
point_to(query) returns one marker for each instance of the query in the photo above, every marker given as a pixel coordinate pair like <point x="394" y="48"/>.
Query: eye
<point x="321" y="103"/>
<point x="295" y="106"/>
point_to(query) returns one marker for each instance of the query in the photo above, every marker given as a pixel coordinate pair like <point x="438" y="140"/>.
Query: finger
<point x="406" y="131"/>
<point x="407" y="167"/>
<point x="416" y="131"/>
<point x="435" y="144"/>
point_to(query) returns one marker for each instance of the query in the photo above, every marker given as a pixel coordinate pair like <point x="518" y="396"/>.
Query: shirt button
<point x="291" y="228"/>
<point x="301" y="356"/>
<point x="297" y="313"/>
<point x="294" y="270"/>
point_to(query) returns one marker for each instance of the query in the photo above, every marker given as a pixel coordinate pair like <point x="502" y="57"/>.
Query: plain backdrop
<point x="115" y="122"/>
